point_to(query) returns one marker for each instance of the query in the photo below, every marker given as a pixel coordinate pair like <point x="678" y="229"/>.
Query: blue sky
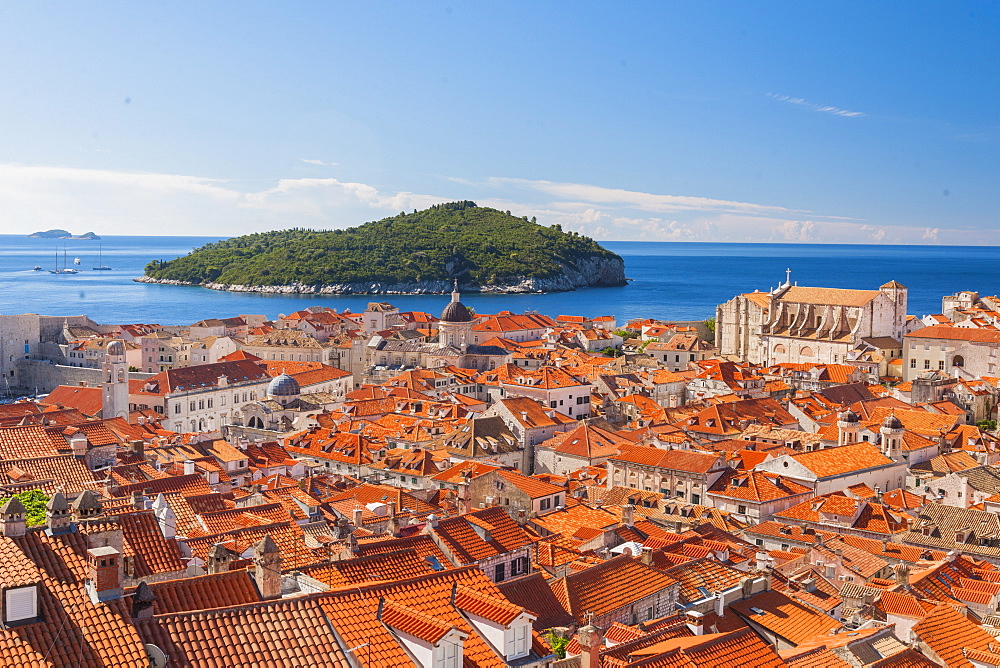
<point x="807" y="122"/>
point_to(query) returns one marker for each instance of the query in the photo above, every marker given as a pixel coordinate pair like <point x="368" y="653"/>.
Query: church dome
<point x="115" y="348"/>
<point x="892" y="422"/>
<point x="283" y="386"/>
<point x="456" y="310"/>
<point x="848" y="416"/>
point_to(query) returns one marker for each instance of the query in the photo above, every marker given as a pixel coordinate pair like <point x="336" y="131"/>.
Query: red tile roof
<point x="608" y="586"/>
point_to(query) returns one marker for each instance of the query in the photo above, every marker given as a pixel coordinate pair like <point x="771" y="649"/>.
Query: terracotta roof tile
<point x="204" y="592"/>
<point x="381" y="567"/>
<point x="947" y="632"/>
<point x="285" y="632"/>
<point x="608" y="586"/>
<point x="784" y="616"/>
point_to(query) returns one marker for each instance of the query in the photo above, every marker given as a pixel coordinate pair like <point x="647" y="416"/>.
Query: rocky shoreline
<point x="591" y="272"/>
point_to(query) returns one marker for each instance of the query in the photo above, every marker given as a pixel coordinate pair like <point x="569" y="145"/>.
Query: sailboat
<point x="76" y="260"/>
<point x="65" y="269"/>
<point x="100" y="258"/>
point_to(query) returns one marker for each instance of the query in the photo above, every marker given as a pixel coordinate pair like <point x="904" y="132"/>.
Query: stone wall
<point x="41" y="376"/>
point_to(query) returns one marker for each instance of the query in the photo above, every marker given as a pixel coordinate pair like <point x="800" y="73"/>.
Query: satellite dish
<point x="157" y="659"/>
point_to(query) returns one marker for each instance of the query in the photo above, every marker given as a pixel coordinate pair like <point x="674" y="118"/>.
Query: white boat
<point x="100" y="258"/>
<point x="65" y="269"/>
<point x="76" y="260"/>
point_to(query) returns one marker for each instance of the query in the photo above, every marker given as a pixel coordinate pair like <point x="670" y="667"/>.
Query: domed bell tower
<point x="455" y="324"/>
<point x="892" y="437"/>
<point x="848" y="426"/>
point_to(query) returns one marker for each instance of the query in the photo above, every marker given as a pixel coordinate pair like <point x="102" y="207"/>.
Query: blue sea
<point x="676" y="281"/>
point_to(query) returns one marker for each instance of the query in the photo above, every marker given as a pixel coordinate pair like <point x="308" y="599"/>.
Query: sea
<point x="669" y="280"/>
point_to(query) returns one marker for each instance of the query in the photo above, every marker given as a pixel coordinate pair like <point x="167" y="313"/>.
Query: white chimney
<point x="188" y="467"/>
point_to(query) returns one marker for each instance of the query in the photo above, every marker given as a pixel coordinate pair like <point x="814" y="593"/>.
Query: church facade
<point x="803" y="325"/>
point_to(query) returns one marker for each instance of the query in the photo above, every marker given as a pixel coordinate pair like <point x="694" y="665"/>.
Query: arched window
<point x="958" y="360"/>
<point x="806" y="352"/>
<point x="780" y="349"/>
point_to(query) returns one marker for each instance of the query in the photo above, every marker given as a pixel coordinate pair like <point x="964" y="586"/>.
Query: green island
<point x="483" y="249"/>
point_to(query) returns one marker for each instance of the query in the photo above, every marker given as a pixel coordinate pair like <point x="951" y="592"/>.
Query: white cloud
<point x="876" y="234"/>
<point x="313" y="161"/>
<point x="118" y="202"/>
<point x="826" y="109"/>
<point x="796" y="231"/>
<point x="634" y="199"/>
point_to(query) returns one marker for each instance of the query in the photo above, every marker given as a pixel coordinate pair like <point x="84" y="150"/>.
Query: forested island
<point x="486" y="250"/>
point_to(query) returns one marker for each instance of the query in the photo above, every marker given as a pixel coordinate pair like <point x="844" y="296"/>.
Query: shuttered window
<point x="518" y="641"/>
<point x="21" y="603"/>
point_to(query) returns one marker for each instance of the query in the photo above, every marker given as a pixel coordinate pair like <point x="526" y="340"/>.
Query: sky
<point x="819" y="122"/>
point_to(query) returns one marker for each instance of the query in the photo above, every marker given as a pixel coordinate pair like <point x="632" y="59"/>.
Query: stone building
<point x="808" y="325"/>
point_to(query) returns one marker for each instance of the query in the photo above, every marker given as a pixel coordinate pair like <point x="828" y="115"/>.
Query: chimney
<point x="522" y="516"/>
<point x="103" y="582"/>
<point x="138" y="500"/>
<point x="358" y="513"/>
<point x="628" y="515"/>
<point x="392" y="526"/>
<point x="591" y="641"/>
<point x="219" y="559"/>
<point x="87" y="506"/>
<point x="78" y="444"/>
<point x="12" y="521"/>
<point x="267" y="568"/>
<point x="57" y="515"/>
<point x="432" y="520"/>
<point x="902" y="575"/>
<point x="142" y="601"/>
<point x="138" y="447"/>
<point x="188" y="467"/>
<point x="696" y="622"/>
<point x="165" y="517"/>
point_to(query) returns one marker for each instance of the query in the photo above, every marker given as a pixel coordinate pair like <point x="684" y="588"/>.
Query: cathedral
<point x="453" y="347"/>
<point x="811" y="325"/>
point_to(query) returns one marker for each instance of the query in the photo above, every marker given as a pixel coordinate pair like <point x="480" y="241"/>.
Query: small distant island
<point x="423" y="252"/>
<point x="62" y="234"/>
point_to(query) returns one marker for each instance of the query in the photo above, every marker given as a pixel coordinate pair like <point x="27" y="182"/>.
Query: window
<point x="927" y="364"/>
<point x="177" y="408"/>
<point x="913" y="363"/>
<point x="544" y="504"/>
<point x="518" y="641"/>
<point x="192" y="406"/>
<point x="680" y="494"/>
<point x="21" y="603"/>
<point x="447" y="655"/>
<point x="498" y="573"/>
<point x="201" y="404"/>
<point x="759" y="542"/>
<point x="696" y="498"/>
<point x="741" y="510"/>
<point x="940" y="365"/>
